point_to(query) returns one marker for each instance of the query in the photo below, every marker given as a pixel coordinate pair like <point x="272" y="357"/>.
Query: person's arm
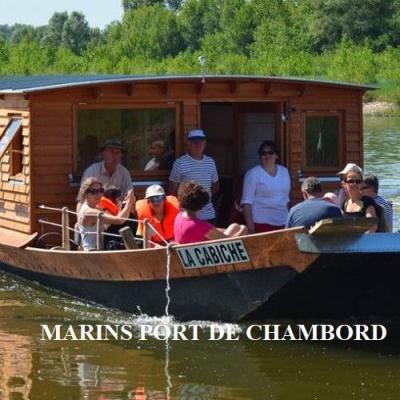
<point x="248" y="217"/>
<point x="173" y="188"/>
<point x="174" y="179"/>
<point x="249" y="190"/>
<point x="215" y="188"/>
<point x="91" y="217"/>
<point x="215" y="180"/>
<point x="214" y="233"/>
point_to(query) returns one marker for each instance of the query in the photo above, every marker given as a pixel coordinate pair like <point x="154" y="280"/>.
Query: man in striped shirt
<point x="196" y="166"/>
<point x="370" y="187"/>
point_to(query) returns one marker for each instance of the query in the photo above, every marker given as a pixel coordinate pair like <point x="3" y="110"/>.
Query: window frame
<point x="15" y="162"/>
<point x="319" y="113"/>
<point x="137" y="174"/>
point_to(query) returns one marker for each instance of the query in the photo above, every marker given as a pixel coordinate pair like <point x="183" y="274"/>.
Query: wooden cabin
<point x="51" y="128"/>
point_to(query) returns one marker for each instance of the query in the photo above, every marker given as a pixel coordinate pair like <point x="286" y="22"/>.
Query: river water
<point x="31" y="368"/>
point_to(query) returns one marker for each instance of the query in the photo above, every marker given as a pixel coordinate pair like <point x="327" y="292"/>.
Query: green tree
<point x="356" y="20"/>
<point x="76" y="33"/>
<point x="196" y="19"/>
<point x="54" y="29"/>
<point x="148" y="32"/>
<point x="134" y="4"/>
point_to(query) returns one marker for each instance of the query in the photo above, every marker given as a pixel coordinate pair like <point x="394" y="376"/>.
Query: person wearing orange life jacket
<point x="160" y="210"/>
<point x="111" y="200"/>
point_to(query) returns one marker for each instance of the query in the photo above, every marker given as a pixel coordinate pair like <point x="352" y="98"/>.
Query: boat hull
<point x="221" y="297"/>
<point x="336" y="286"/>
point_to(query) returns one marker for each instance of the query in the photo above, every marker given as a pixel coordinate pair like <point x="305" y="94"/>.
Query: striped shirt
<point x="204" y="172"/>
<point x="388" y="212"/>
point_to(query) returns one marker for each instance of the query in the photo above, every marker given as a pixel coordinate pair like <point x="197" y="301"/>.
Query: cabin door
<point x="234" y="133"/>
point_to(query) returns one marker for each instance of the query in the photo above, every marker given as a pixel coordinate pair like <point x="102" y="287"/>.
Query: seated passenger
<point x="370" y="187"/>
<point x="111" y="201"/>
<point x="313" y="208"/>
<point x="162" y="158"/>
<point x="332" y="198"/>
<point x="357" y="205"/>
<point x="160" y="210"/>
<point x="91" y="192"/>
<point x="188" y="228"/>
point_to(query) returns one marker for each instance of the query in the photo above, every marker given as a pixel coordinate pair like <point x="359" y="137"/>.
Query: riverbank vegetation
<point x="345" y="40"/>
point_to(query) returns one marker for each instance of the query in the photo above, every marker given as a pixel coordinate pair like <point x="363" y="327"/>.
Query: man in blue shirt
<point x="313" y="208"/>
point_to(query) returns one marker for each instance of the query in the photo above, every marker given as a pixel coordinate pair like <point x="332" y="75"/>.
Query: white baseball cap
<point x="154" y="190"/>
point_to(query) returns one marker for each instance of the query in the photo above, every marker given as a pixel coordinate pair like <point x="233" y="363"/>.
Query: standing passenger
<point x="196" y="166"/>
<point x="266" y="190"/>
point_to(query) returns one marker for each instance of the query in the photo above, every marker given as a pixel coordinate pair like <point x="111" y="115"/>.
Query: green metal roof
<point x="30" y="84"/>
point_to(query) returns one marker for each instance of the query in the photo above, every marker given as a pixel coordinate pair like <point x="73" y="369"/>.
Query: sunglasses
<point x="356" y="181"/>
<point x="95" y="191"/>
<point x="265" y="152"/>
<point x="156" y="199"/>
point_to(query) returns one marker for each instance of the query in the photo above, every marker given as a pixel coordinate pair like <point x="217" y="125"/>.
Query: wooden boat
<point x="51" y="128"/>
<point x="283" y="273"/>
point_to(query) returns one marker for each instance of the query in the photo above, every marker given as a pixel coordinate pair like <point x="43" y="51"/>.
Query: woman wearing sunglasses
<point x="91" y="192"/>
<point x="160" y="210"/>
<point x="356" y="204"/>
<point x="266" y="190"/>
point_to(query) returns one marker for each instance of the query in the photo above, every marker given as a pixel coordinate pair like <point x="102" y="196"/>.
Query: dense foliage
<point x="351" y="40"/>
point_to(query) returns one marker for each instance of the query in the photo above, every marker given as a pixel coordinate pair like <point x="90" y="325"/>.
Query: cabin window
<point x="11" y="140"/>
<point x="322" y="141"/>
<point x="148" y="136"/>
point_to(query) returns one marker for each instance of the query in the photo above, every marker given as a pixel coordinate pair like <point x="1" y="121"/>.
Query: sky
<point x="98" y="13"/>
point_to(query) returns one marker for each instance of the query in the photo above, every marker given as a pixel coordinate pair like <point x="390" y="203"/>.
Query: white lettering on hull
<point x="212" y="254"/>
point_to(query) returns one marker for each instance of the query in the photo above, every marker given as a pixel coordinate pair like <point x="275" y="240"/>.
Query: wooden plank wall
<point x="15" y="196"/>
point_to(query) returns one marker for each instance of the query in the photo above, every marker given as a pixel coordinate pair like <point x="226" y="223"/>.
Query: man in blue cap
<point x="196" y="166"/>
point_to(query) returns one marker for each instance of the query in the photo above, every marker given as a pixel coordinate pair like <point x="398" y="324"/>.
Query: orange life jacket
<point x="108" y="205"/>
<point x="164" y="227"/>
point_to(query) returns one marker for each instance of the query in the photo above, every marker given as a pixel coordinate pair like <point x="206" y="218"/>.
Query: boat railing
<point x="148" y="230"/>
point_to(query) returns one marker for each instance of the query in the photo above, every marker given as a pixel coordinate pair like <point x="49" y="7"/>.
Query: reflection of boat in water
<point x="252" y="276"/>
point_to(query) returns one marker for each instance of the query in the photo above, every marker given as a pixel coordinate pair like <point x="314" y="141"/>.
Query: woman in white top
<point x="91" y="192"/>
<point x="266" y="189"/>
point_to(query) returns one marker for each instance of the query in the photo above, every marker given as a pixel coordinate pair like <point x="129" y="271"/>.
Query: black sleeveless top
<point x="365" y="203"/>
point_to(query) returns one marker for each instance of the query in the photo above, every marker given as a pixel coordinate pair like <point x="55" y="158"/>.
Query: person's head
<point x="114" y="194"/>
<point x="331" y="198"/>
<point x="111" y="152"/>
<point x="268" y="152"/>
<point x="370" y="185"/>
<point x="311" y="187"/>
<point x="197" y="142"/>
<point x="192" y="196"/>
<point x="91" y="191"/>
<point x="157" y="148"/>
<point x="155" y="196"/>
<point x="352" y="178"/>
